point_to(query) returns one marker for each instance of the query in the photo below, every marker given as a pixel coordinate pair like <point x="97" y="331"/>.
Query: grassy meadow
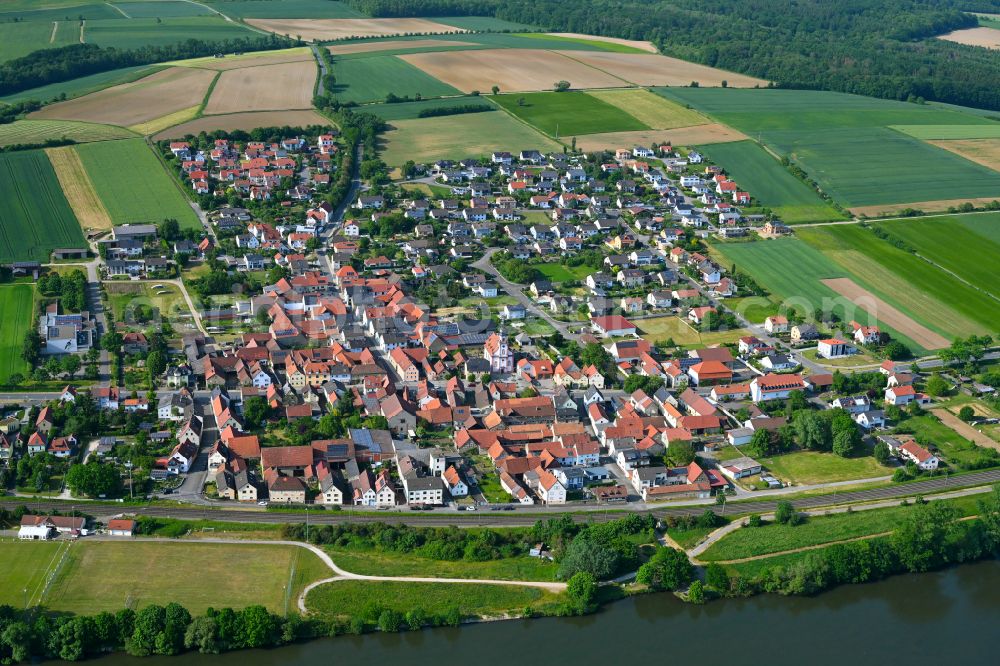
<point x="372" y="78"/>
<point x="39" y="131"/>
<point x="411" y="110"/>
<point x="133" y="184"/>
<point x="35" y="216"/>
<point x="808" y="467"/>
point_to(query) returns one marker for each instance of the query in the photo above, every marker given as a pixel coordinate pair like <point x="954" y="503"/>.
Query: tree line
<point x="879" y="48"/>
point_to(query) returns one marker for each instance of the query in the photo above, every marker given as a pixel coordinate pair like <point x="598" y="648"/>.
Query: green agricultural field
<point x="568" y="113"/>
<point x="775" y="538"/>
<point x="808" y="467"/>
<point x="654" y="110"/>
<point x="955" y="247"/>
<point x="771" y="184"/>
<point x="875" y="166"/>
<point x="84" y="85"/>
<point x="373" y="563"/>
<point x="373" y="78"/>
<point x="318" y="9"/>
<point x="411" y="110"/>
<point x="133" y="185"/>
<point x="20" y="39"/>
<point x="481" y="23"/>
<point x="35" y="217"/>
<point x="136" y="33"/>
<point x="161" y="9"/>
<point x="928" y="294"/>
<point x="39" y="11"/>
<point x="23" y="566"/>
<point x="933" y="132"/>
<point x="457" y="137"/>
<point x="983" y="225"/>
<point x="38" y="131"/>
<point x="535" y="41"/>
<point x="561" y="273"/>
<point x="595" y="44"/>
<point x="17" y="303"/>
<point x="82" y="586"/>
<point x="350" y="597"/>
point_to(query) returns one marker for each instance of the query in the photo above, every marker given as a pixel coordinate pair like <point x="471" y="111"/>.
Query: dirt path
<point x="964" y="429"/>
<point x="118" y="9"/>
<point x="83" y="25"/>
<point x="55" y="29"/>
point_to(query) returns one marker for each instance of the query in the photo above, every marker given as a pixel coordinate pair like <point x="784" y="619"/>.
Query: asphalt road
<point x="520" y="517"/>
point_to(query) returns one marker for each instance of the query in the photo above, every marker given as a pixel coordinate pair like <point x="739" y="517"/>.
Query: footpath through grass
<point x="776" y="538"/>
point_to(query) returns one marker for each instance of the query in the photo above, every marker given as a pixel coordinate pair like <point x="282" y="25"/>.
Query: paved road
<point x="523" y="516"/>
<point x="517" y="292"/>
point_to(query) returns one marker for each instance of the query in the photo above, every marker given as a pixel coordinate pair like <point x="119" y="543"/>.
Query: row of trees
<point x="881" y="48"/>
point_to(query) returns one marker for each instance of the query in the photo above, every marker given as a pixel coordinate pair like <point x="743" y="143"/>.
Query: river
<point x="948" y="617"/>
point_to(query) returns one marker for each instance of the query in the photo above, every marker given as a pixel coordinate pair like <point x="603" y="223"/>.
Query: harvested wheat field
<point x="328" y="29"/>
<point x="266" y="88"/>
<point x="299" y="54"/>
<point x="151" y="97"/>
<point x="243" y="121"/>
<point x="514" y="70"/>
<point x="988" y="37"/>
<point x="936" y="206"/>
<point x="886" y="313"/>
<point x="658" y="70"/>
<point x="368" y="47"/>
<point x="980" y="151"/>
<point x="633" y="43"/>
<point x="79" y="191"/>
<point x="681" y="136"/>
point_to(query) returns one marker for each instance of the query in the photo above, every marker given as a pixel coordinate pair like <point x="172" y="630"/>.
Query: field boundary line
<point x="208" y="93"/>
<point x="530" y="126"/>
<point x="118" y="9"/>
<point x="587" y="64"/>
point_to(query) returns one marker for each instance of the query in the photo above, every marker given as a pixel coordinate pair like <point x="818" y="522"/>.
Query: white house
<point x="453" y="480"/>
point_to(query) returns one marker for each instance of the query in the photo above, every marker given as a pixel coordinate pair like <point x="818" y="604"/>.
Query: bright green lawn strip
<point x="595" y="43"/>
<point x="84" y="85"/>
<point x="133" y="184"/>
<point x="374" y="563"/>
<point x="351" y="597"/>
<point x="754" y="309"/>
<point x="567" y="113"/>
<point x="137" y="33"/>
<point x="480" y="23"/>
<point x="399" y="50"/>
<point x="932" y="132"/>
<point x="776" y="538"/>
<point x="950" y="293"/>
<point x="35" y="217"/>
<point x="371" y="79"/>
<point x="16" y="313"/>
<point x="690" y="537"/>
<point x="945" y="241"/>
<point x="809" y="467"/>
<point x="771" y="184"/>
<point x="411" y="110"/>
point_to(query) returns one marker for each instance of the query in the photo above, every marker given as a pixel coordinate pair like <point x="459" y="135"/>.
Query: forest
<point x="880" y="48"/>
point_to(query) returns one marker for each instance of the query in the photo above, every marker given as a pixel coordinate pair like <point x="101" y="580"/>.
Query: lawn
<point x="845" y="143"/>
<point x="16" y="313"/>
<point x="23" y="566"/>
<point x="124" y="297"/>
<point x="85" y="582"/>
<point x="39" y="131"/>
<point x="929" y="431"/>
<point x="930" y="295"/>
<point x="562" y="273"/>
<point x="660" y="329"/>
<point x="458" y="137"/>
<point x="775" y="538"/>
<point x="689" y="537"/>
<point x="373" y="563"/>
<point x="352" y="597"/>
<point x="957" y="248"/>
<point x="372" y="78"/>
<point x="411" y="110"/>
<point x="655" y="111"/>
<point x="84" y="85"/>
<point x="568" y="113"/>
<point x="809" y="467"/>
<point x="754" y="309"/>
<point x="35" y="216"/>
<point x="134" y="185"/>
<point x="769" y="183"/>
<point x="136" y="33"/>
